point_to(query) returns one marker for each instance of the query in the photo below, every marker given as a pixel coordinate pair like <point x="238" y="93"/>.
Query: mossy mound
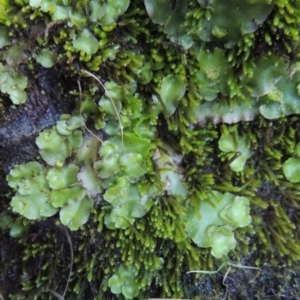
<point x="177" y="152"/>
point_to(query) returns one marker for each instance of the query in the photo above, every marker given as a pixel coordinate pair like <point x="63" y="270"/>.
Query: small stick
<point x="111" y="100"/>
<point x="230" y="264"/>
<point x="92" y="133"/>
<point x="72" y="260"/>
<point x="232" y="159"/>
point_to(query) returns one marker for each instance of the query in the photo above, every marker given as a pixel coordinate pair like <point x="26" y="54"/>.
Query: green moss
<point x="162" y="175"/>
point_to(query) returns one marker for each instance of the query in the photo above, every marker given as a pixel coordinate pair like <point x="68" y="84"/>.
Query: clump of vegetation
<point x="148" y="182"/>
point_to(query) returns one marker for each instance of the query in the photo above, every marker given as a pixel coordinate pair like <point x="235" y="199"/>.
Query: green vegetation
<point x="13" y="84"/>
<point x="182" y="148"/>
<point x="211" y="224"/>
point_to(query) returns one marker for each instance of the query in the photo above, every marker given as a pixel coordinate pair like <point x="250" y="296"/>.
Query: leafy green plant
<point x="86" y="42"/>
<point x="124" y="282"/>
<point x="14" y="84"/>
<point x="168" y="172"/>
<point x="4" y="36"/>
<point x="171" y="15"/>
<point x="33" y="193"/>
<point x="42" y="192"/>
<point x="16" y="229"/>
<point x="116" y="158"/>
<point x="63" y="137"/>
<point x="46" y="58"/>
<point x="283" y="100"/>
<point x="147" y="168"/>
<point x="129" y="201"/>
<point x="226" y="22"/>
<point x="291" y="167"/>
<point x="264" y="76"/>
<point x="172" y="90"/>
<point x="213" y="74"/>
<point x="212" y="222"/>
<point x="113" y="10"/>
<point x="237" y="146"/>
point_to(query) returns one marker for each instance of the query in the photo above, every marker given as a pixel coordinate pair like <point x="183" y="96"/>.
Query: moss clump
<point x="141" y="163"/>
